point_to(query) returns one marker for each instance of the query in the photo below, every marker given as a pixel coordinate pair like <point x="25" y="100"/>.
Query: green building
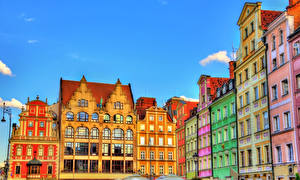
<point x="224" y="132"/>
<point x="191" y="144"/>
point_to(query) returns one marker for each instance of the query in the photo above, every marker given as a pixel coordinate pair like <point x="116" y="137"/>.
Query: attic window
<point x="82" y="103"/>
<point x="118" y="105"/>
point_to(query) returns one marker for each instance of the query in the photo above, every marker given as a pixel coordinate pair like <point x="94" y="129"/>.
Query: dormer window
<point x="297" y="48"/>
<point x="224" y="89"/>
<point x="82" y="103"/>
<point x="118" y="105"/>
<point x="230" y="85"/>
<point x="218" y="93"/>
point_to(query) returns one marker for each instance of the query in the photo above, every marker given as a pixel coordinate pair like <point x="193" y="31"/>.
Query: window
<point x="41" y="133"/>
<point x="41" y="124"/>
<point x="19" y="151"/>
<point x="151" y="118"/>
<point x="266" y="120"/>
<point x="273" y="43"/>
<point x="82" y="103"/>
<point x="161" y="155"/>
<point x="160" y="128"/>
<point x="151" y="127"/>
<point x="69" y="148"/>
<point x="106" y="166"/>
<point x="226" y="160"/>
<point x="30" y="124"/>
<point x="152" y="170"/>
<point x="29" y="133"/>
<point x="82" y="133"/>
<point x="142" y="140"/>
<point x="232" y="108"/>
<point x="258" y="155"/>
<point x="118" y="105"/>
<point x="249" y="157"/>
<point x="241" y="101"/>
<point x="170" y="155"/>
<point x="233" y="131"/>
<point x="267" y="154"/>
<point x="290" y="152"/>
<point x="118" y="133"/>
<point x="151" y="141"/>
<point x="81" y="148"/>
<point x="281" y="37"/>
<point x="274" y="92"/>
<point x="82" y="116"/>
<point x="106" y="133"/>
<point x="129" y="167"/>
<point x="253" y="45"/>
<point x="105" y="149"/>
<point x="242" y="129"/>
<point x="279" y="154"/>
<point x="142" y="127"/>
<point x="18" y="169"/>
<point x="276" y="123"/>
<point x="117" y="150"/>
<point x="170" y="169"/>
<point x="225" y="111"/>
<point x="298" y="81"/>
<point x="285" y="87"/>
<point x="68" y="165"/>
<point x="151" y="155"/>
<point x="93" y="166"/>
<point x="247" y="98"/>
<point x="160" y="118"/>
<point x="220" y="161"/>
<point x="129" y="120"/>
<point x="256" y="93"/>
<point x="81" y="165"/>
<point x="129" y="150"/>
<point x="219" y="114"/>
<point x="95" y="117"/>
<point x="240" y="78"/>
<point x="257" y="122"/>
<point x="161" y="170"/>
<point x="142" y="169"/>
<point x="169" y="129"/>
<point x="94" y="149"/>
<point x="234" y="160"/>
<point x="264" y="89"/>
<point x="129" y="135"/>
<point x="118" y="118"/>
<point x="296" y="48"/>
<point x="219" y="137"/>
<point x="254" y="68"/>
<point x="160" y="141"/>
<point x="243" y="158"/>
<point x="106" y="118"/>
<point x="248" y="126"/>
<point x="94" y="133"/>
<point x="252" y="26"/>
<point x="246" y="33"/>
<point x="225" y="135"/>
<point x="142" y="154"/>
<point x="246" y="51"/>
<point x="282" y="59"/>
<point x="170" y="142"/>
<point x="69" y="132"/>
<point x="50" y="151"/>
<point x="40" y="151"/>
<point x="246" y="74"/>
<point x="287" y="119"/>
<point x="274" y="62"/>
<point x="29" y="151"/>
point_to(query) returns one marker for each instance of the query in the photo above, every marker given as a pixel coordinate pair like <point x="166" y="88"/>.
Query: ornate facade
<point x="97" y="130"/>
<point x="34" y="144"/>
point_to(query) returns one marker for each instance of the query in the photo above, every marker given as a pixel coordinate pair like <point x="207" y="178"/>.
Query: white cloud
<point x="220" y="56"/>
<point x="74" y="56"/>
<point x="29" y="19"/>
<point x="4" y="69"/>
<point x="26" y="18"/>
<point x="32" y="41"/>
<point x="12" y="103"/>
<point x="189" y="99"/>
<point x="163" y="2"/>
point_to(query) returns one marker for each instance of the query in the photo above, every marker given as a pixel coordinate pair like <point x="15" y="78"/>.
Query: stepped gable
<point x="99" y="90"/>
<point x="267" y="17"/>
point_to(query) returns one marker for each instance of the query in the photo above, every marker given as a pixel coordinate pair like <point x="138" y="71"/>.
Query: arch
<point x="118" y="118"/>
<point x="106" y="133"/>
<point x="118" y="134"/>
<point x="106" y="118"/>
<point x="94" y="133"/>
<point x="82" y="116"/>
<point x="129" y="119"/>
<point x="95" y="117"/>
<point x="82" y="132"/>
<point x="69" y="132"/>
<point x="129" y="134"/>
<point x="70" y="116"/>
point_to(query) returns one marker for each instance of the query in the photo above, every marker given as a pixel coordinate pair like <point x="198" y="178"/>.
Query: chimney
<point x="231" y="69"/>
<point x="293" y="9"/>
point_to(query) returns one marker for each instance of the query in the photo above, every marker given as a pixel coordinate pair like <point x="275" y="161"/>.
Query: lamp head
<point x="3" y="120"/>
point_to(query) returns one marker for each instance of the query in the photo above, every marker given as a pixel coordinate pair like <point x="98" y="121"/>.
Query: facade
<point x="156" y="148"/>
<point x="191" y="144"/>
<point x="283" y="127"/>
<point x="97" y="130"/>
<point x="224" y="132"/>
<point x="207" y="88"/>
<point x="34" y="144"/>
<point x="252" y="94"/>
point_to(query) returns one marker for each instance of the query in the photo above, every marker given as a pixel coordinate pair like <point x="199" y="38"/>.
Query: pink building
<point x="294" y="48"/>
<point x="284" y="129"/>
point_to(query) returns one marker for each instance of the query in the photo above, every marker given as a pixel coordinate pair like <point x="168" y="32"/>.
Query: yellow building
<point x="97" y="126"/>
<point x="252" y="100"/>
<point x="156" y="149"/>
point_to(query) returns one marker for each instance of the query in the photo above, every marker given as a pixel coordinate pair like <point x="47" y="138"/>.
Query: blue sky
<point x="155" y="45"/>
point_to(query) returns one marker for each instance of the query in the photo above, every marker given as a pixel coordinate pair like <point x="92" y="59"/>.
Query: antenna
<point x="233" y="55"/>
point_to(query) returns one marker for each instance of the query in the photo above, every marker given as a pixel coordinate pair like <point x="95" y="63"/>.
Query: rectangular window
<point x="279" y="154"/>
<point x="142" y="140"/>
<point x="160" y="141"/>
<point x="142" y="154"/>
<point x="151" y="155"/>
<point x="256" y="93"/>
<point x="151" y="118"/>
<point x="258" y="155"/>
<point x="276" y="123"/>
<point x="105" y="166"/>
<point x="142" y="127"/>
<point x="298" y="81"/>
<point x="267" y="154"/>
<point x="68" y="165"/>
<point x="282" y="59"/>
<point x="105" y="149"/>
<point x="254" y="68"/>
<point x="129" y="150"/>
<point x="29" y="133"/>
<point x="225" y="134"/>
<point x="161" y="170"/>
<point x="249" y="157"/>
<point x="257" y="117"/>
<point x="151" y="127"/>
<point x="81" y="165"/>
<point x="160" y="128"/>
<point x="81" y="148"/>
<point x="18" y="169"/>
<point x="128" y="166"/>
<point x="287" y="119"/>
<point x="233" y="131"/>
<point x="274" y="63"/>
<point x="41" y="133"/>
<point x="252" y="26"/>
<point x="117" y="150"/>
<point x="161" y="155"/>
<point x="234" y="159"/>
<point x="117" y="166"/>
<point x="219" y="114"/>
<point x="253" y="45"/>
<point x="93" y="166"/>
<point x="262" y="60"/>
<point x="142" y="169"/>
<point x="247" y="98"/>
<point x="290" y="152"/>
<point x="225" y="111"/>
<point x="170" y="142"/>
<point x="274" y="92"/>
<point x="219" y="137"/>
<point x="240" y="78"/>
<point x="69" y="148"/>
<point x="160" y="118"/>
<point x="170" y="169"/>
<point x="246" y="74"/>
<point x="241" y="101"/>
<point x="248" y="126"/>
<point x="246" y="51"/>
<point x="151" y="141"/>
<point x="232" y="108"/>
<point x="41" y="124"/>
<point x="242" y="129"/>
<point x="243" y="158"/>
<point x="220" y="161"/>
<point x="169" y="129"/>
<point x="170" y="155"/>
<point x="264" y="89"/>
<point x="266" y="120"/>
<point x="246" y="33"/>
<point x="94" y="149"/>
<point x="285" y="87"/>
<point x="152" y="169"/>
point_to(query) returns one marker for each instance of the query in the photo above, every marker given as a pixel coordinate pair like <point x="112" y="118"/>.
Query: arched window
<point x="118" y="134"/>
<point x="70" y="116"/>
<point x="82" y="132"/>
<point x="129" y="120"/>
<point x="106" y="133"/>
<point x="95" y="117"/>
<point x="69" y="132"/>
<point x="129" y="134"/>
<point x="106" y="118"/>
<point x="82" y="116"/>
<point x="94" y="133"/>
<point x="118" y="118"/>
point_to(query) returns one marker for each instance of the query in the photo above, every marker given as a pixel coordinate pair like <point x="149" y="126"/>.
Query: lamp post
<point x="195" y="157"/>
<point x="7" y="110"/>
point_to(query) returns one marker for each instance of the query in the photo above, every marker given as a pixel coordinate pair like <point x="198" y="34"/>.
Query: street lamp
<point x="195" y="157"/>
<point x="7" y="110"/>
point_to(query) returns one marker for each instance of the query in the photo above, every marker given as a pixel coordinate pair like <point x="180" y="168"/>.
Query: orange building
<point x="156" y="148"/>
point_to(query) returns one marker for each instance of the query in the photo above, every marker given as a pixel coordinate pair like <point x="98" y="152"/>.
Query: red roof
<point x="142" y="104"/>
<point x="267" y="17"/>
<point x="99" y="90"/>
<point x="214" y="84"/>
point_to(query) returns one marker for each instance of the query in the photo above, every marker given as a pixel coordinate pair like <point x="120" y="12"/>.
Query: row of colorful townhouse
<point x="247" y="126"/>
